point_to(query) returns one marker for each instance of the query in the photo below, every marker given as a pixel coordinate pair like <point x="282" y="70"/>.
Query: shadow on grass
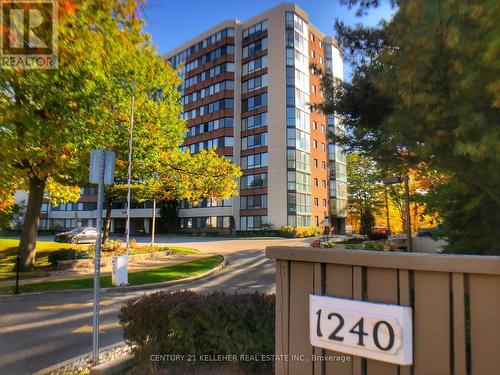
<point x="178" y="271"/>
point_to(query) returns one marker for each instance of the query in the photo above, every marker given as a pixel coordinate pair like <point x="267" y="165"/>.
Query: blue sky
<point x="172" y="22"/>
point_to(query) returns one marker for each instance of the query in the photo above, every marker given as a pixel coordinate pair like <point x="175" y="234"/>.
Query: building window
<point x="254" y="161"/>
<point x="315" y="143"/>
<point x="323" y="183"/>
<point x="324" y="202"/>
<point x="300" y="203"/>
<point x="252" y="222"/>
<point x="298" y="139"/>
<point x="249" y="202"/>
<point x="299" y="181"/>
<point x="253" y="48"/>
<point x="323" y="164"/>
<point x="254" y="83"/>
<point x="316" y="202"/>
<point x="316" y="221"/>
<point x="253" y="181"/>
<point x="313" y="88"/>
<point x="254" y="65"/>
<point x="323" y="146"/>
<point x="254" y="102"/>
<point x="255" y="121"/>
<point x="313" y="54"/>
<point x="253" y="141"/>
<point x="254" y="29"/>
<point x="315" y="163"/>
<point x="321" y="60"/>
<point x="323" y="129"/>
<point x="299" y="160"/>
<point x="315" y="182"/>
<point x="315" y="125"/>
<point x="312" y="37"/>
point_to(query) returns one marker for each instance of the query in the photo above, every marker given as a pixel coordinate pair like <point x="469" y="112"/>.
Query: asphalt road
<point x="39" y="330"/>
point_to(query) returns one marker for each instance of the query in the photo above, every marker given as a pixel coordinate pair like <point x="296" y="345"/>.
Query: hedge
<point x="189" y="323"/>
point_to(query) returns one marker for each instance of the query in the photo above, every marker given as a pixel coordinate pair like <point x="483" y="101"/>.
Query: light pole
<point x="387" y="209"/>
<point x="153" y="224"/>
<point x="408" y="218"/>
<point x="406" y="180"/>
<point x="129" y="177"/>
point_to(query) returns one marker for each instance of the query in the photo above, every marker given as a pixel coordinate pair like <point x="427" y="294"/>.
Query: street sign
<point x="393" y="180"/>
<point x="109" y="166"/>
<point x="102" y="167"/>
<point x="366" y="329"/>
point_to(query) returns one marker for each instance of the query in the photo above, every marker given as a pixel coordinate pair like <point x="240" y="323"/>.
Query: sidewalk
<point x="134" y="266"/>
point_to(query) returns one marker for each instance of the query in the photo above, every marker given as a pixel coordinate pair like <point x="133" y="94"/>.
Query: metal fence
<point x="455" y="301"/>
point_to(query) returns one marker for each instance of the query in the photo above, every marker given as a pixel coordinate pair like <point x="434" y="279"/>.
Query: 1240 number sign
<point x="366" y="329"/>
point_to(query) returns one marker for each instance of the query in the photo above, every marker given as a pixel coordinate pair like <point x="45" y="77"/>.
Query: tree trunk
<point x="107" y="222"/>
<point x="27" y="245"/>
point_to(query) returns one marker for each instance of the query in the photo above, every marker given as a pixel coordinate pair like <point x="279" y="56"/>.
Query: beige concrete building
<point x="247" y="91"/>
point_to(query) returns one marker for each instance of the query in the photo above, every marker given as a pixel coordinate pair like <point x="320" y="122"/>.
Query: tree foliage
<point x="52" y="119"/>
<point x="364" y="189"/>
<point x="425" y="89"/>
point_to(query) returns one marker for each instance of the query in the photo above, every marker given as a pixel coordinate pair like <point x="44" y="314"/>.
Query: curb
<point x="124" y="289"/>
<point x="116" y="366"/>
<point x="74" y="359"/>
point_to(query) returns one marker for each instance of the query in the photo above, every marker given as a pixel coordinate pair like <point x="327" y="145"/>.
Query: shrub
<point x="300" y="232"/>
<point x="185" y="322"/>
<point x="287" y="231"/>
<point x="67" y="254"/>
<point x="373" y="246"/>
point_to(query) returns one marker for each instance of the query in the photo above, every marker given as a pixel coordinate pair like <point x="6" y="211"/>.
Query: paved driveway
<point x="39" y="330"/>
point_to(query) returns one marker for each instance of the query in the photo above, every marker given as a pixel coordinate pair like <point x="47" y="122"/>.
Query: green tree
<point x="51" y="119"/>
<point x="168" y="221"/>
<point x="364" y="190"/>
<point x="425" y="89"/>
<point x="180" y="175"/>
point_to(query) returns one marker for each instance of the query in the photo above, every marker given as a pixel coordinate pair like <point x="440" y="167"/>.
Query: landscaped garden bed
<point x="195" y="333"/>
<point x="49" y="254"/>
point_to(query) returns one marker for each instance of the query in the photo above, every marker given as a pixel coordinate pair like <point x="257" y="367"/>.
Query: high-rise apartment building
<point x="247" y="91"/>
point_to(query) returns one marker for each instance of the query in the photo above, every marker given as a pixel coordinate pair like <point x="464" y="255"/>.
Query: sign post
<point x="102" y="165"/>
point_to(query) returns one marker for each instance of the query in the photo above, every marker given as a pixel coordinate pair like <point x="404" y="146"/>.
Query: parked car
<point x="78" y="235"/>
<point x="429" y="232"/>
<point x="378" y="233"/>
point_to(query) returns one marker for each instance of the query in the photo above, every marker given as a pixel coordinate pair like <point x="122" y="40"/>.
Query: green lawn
<point x="8" y="254"/>
<point x="178" y="271"/>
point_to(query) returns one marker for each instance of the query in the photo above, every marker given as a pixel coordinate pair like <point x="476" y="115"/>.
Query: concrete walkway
<point x="134" y="266"/>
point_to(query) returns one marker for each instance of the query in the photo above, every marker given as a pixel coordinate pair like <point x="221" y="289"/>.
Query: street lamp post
<point x="408" y="218"/>
<point x="387" y="209"/>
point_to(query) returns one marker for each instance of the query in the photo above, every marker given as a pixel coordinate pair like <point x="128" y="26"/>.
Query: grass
<point x="178" y="271"/>
<point x="8" y="254"/>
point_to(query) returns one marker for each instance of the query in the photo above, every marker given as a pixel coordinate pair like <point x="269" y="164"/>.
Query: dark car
<point x="77" y="235"/>
<point x="430" y="232"/>
<point x="379" y="233"/>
